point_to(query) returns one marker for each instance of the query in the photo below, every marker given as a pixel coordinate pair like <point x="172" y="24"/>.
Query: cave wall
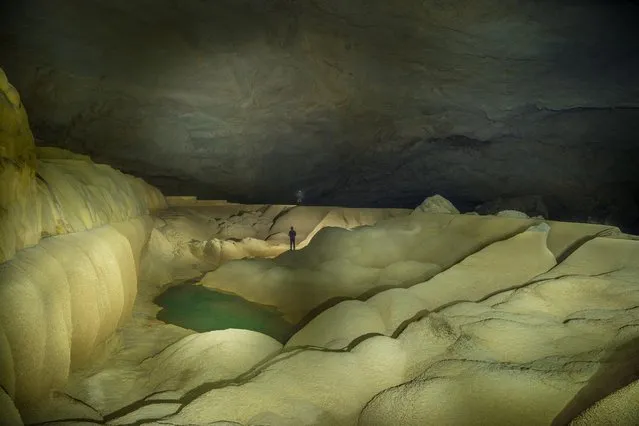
<point x="47" y="191"/>
<point x="19" y="221"/>
<point x="357" y="103"/>
<point x="71" y="238"/>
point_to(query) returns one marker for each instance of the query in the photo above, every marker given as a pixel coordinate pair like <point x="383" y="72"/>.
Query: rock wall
<point x="76" y="194"/>
<point x="252" y="100"/>
<point x="19" y="220"/>
<point x="71" y="237"/>
<point x="50" y="191"/>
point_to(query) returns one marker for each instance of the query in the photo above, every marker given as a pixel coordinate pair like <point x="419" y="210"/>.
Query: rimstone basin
<point x="202" y="309"/>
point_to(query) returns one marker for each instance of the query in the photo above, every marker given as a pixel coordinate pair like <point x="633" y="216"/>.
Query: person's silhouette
<point x="291" y="236"/>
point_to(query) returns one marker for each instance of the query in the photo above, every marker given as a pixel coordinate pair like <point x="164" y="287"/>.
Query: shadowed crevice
<point x="618" y="368"/>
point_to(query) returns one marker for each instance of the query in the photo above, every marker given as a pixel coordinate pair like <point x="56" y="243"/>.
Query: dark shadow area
<point x="619" y="367"/>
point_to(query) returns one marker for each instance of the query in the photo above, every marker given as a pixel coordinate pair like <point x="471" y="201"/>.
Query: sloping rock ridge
<point x="522" y="323"/>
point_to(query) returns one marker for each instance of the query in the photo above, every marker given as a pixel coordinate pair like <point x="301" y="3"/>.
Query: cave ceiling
<point x="370" y="103"/>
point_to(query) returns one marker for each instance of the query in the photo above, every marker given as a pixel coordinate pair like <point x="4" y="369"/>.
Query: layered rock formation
<point x="190" y="240"/>
<point x="542" y="316"/>
<point x="71" y="239"/>
<point x="19" y="224"/>
<point x="414" y="319"/>
<point x="357" y="103"/>
<point x="49" y="191"/>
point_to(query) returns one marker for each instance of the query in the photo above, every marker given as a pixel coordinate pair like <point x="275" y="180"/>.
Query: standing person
<point x="291" y="236"/>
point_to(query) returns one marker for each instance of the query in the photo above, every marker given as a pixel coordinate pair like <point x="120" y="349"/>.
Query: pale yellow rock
<point x="409" y="271"/>
<point x="600" y="256"/>
<point x="60" y="192"/>
<point x="34" y="296"/>
<point x="501" y="265"/>
<point x="19" y="211"/>
<point x="347" y="219"/>
<point x="346" y="321"/>
<point x="349" y="263"/>
<point x="16" y="139"/>
<point x="317" y="395"/>
<point x="308" y="221"/>
<point x="526" y="333"/>
<point x="548" y="340"/>
<point x="157" y="260"/>
<point x="205" y="236"/>
<point x="70" y="292"/>
<point x="517" y="259"/>
<point x="436" y="204"/>
<point x="621" y="408"/>
<point x="304" y="219"/>
<point x="116" y="379"/>
<point x="563" y="235"/>
<point x="7" y="367"/>
<point x="167" y="371"/>
<point x="396" y="306"/>
<point x="522" y="397"/>
<point x="87" y="195"/>
<point x="207" y="357"/>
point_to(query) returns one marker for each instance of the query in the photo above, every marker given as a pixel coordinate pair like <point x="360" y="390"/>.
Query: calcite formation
<point x="62" y="297"/>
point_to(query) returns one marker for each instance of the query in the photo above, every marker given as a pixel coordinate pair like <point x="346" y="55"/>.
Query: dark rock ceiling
<point x="356" y="102"/>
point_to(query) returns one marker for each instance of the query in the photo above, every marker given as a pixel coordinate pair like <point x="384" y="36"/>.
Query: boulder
<point x="437" y="204"/>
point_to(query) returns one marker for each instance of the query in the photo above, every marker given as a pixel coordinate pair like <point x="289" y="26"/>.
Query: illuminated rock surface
<point x="502" y="322"/>
<point x="414" y="318"/>
<point x="72" y="237"/>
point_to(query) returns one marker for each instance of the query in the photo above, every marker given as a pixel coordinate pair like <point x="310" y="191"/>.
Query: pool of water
<point x="203" y="309"/>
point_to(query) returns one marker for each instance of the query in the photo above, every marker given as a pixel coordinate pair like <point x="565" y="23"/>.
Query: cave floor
<point x="537" y="307"/>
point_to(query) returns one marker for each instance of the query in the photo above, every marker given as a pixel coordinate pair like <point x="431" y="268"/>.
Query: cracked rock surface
<point x="252" y="100"/>
<point x="513" y="321"/>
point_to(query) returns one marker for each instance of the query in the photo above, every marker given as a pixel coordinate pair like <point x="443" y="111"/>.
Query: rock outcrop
<point x="71" y="238"/>
<point x="50" y="191"/>
<point x="543" y="317"/>
<point x="437" y="204"/>
<point x="19" y="215"/>
<point x="397" y="252"/>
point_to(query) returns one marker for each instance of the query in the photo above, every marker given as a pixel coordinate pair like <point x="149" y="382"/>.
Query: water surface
<point x="203" y="309"/>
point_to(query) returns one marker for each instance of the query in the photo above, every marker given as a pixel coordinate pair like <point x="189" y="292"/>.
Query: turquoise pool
<point x="202" y="309"/>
